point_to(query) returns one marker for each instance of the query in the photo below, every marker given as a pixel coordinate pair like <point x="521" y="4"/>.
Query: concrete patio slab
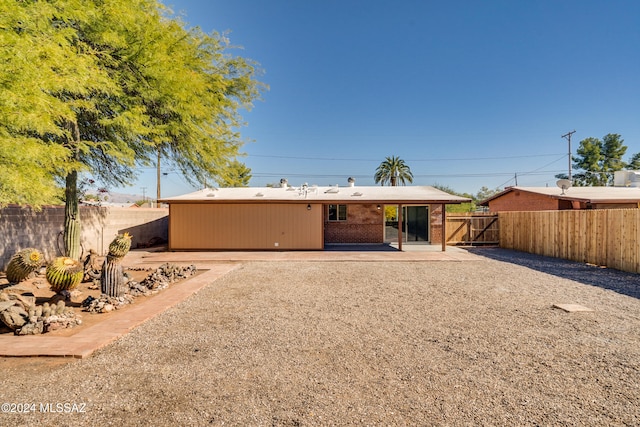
<point x="376" y="253"/>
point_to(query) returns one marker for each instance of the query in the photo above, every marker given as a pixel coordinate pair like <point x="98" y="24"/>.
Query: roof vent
<point x="351" y="181"/>
<point x="284" y="183"/>
<point x="332" y="189"/>
<point x="211" y="195"/>
<point x="304" y="190"/>
<point x="357" y="193"/>
<point x="259" y="195"/>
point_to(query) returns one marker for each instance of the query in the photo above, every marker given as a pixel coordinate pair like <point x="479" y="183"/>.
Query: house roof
<point x="579" y="194"/>
<point x="309" y="194"/>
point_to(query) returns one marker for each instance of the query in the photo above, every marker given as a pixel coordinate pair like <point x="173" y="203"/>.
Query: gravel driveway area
<point x="365" y="343"/>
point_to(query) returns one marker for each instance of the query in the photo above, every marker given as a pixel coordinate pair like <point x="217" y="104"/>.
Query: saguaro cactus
<point x="112" y="277"/>
<point x="72" y="217"/>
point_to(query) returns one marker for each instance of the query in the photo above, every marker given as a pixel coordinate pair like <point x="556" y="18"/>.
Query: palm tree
<point x="392" y="170"/>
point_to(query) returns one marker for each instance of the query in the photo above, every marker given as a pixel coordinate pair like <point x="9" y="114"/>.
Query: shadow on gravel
<point x="618" y="281"/>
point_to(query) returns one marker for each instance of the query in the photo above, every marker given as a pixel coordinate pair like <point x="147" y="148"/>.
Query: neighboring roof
<point x="302" y="194"/>
<point x="579" y="194"/>
<point x="108" y="204"/>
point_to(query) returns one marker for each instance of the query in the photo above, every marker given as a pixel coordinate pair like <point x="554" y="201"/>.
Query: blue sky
<point x="468" y="93"/>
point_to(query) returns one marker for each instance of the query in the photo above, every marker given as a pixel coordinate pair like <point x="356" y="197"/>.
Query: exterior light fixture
<point x="378" y="207"/>
<point x="308" y="206"/>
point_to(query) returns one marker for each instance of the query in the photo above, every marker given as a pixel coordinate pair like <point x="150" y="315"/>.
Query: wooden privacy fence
<point x="608" y="237"/>
<point x="472" y="229"/>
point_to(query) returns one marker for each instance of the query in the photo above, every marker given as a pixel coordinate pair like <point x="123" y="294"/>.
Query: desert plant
<point x="120" y="246"/>
<point x="60" y="307"/>
<point x="112" y="281"/>
<point x="64" y="273"/>
<point x="22" y="264"/>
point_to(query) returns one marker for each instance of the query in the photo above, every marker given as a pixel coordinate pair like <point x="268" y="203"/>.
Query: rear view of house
<point x="304" y="217"/>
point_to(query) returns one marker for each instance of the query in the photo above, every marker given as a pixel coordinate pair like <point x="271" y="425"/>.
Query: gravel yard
<point x="365" y="343"/>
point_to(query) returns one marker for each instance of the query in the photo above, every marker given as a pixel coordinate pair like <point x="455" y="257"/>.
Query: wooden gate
<point x="472" y="229"/>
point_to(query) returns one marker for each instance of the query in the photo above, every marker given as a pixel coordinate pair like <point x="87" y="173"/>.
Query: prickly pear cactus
<point x="64" y="273"/>
<point x="22" y="264"/>
<point x="120" y="246"/>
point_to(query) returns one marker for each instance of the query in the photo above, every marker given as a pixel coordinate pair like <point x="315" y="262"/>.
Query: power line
<point x="335" y="159"/>
<point x="462" y="175"/>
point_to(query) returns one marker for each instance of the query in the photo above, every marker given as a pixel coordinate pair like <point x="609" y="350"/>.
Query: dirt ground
<point x="365" y="343"/>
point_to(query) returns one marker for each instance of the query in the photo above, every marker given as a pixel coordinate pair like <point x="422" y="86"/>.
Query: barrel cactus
<point x="120" y="246"/>
<point x="22" y="264"/>
<point x="112" y="280"/>
<point x="64" y="273"/>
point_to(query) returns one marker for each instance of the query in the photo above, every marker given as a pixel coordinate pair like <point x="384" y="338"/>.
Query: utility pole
<point x="158" y="181"/>
<point x="144" y="194"/>
<point x="568" y="138"/>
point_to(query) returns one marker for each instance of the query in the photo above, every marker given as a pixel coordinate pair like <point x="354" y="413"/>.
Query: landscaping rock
<point x="14" y="317"/>
<point x="26" y="300"/>
<point x="159" y="279"/>
<point x="24" y="317"/>
<point x="6" y="304"/>
<point x="105" y="303"/>
<point x="14" y="289"/>
<point x="67" y="320"/>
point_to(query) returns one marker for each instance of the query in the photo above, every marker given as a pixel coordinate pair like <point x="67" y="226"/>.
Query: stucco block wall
<point x="23" y="227"/>
<point x="524" y="201"/>
<point x="364" y="224"/>
<point x="101" y="225"/>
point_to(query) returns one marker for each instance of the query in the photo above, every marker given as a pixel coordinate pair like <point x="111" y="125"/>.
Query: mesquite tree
<point x="104" y="86"/>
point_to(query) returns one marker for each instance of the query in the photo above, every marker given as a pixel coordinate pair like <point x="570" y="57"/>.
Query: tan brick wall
<point x="435" y="231"/>
<point x="364" y="224"/>
<point x="22" y="227"/>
